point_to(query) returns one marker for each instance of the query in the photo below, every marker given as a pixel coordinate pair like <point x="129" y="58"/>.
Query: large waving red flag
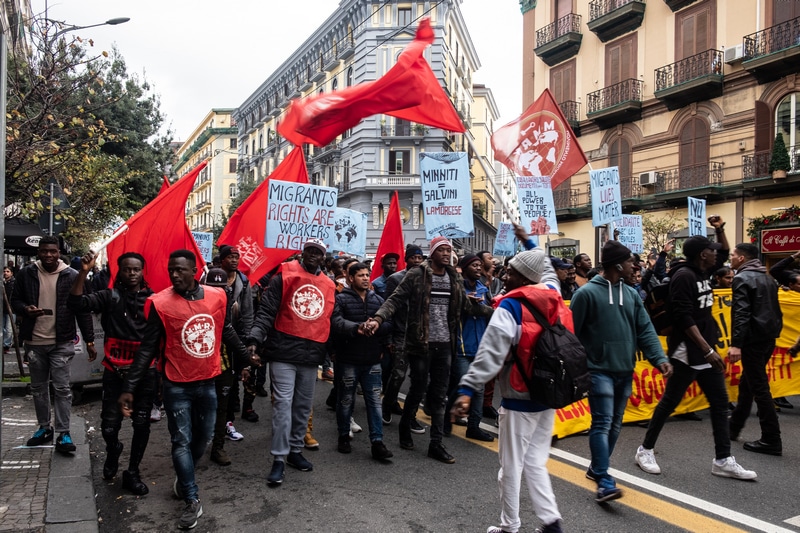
<point x="391" y="239"/>
<point x="246" y="228"/>
<point x="164" y="185"/>
<point x="539" y="143"/>
<point x="157" y="230"/>
<point x="409" y="90"/>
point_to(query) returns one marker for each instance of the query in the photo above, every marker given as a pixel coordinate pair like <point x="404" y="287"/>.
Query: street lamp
<point x="70" y="27"/>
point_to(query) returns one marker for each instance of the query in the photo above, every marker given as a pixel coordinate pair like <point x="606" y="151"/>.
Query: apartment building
<point x="686" y="97"/>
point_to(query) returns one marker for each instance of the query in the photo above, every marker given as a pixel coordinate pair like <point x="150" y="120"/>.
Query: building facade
<point x="686" y="97"/>
<point x="360" y="42"/>
<point x="215" y="138"/>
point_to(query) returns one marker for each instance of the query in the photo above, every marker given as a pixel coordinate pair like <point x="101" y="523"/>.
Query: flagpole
<point x="489" y="175"/>
<point x="120" y="230"/>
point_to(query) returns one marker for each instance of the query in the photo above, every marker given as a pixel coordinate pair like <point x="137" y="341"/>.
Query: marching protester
<point x="612" y="324"/>
<point x="583" y="265"/>
<point x="389" y="265"/>
<point x="790" y="279"/>
<point x="48" y="332"/>
<point x="123" y="321"/>
<point x="526" y="426"/>
<point x="693" y="354"/>
<point x="189" y="320"/>
<point x="293" y="323"/>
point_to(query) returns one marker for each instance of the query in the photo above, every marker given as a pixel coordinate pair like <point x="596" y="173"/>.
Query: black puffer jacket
<point x="756" y="315"/>
<point x="26" y="292"/>
<point x="122" y="310"/>
<point x="350" y="311"/>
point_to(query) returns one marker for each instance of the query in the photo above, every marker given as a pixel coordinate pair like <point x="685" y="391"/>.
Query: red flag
<point x="247" y="226"/>
<point x="158" y="229"/>
<point x="391" y="239"/>
<point x="409" y="90"/>
<point x="164" y="185"/>
<point x="539" y="143"/>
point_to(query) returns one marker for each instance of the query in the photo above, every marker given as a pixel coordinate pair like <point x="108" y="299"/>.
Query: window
<point x="619" y="155"/>
<point x="563" y="8"/>
<point x="399" y="162"/>
<point x="349" y="78"/>
<point x="621" y="60"/>
<point x="346" y="174"/>
<point x="334" y="84"/>
<point x="254" y="147"/>
<point x="695" y="146"/>
<point x="784" y="10"/>
<point x="403" y="16"/>
<point x="695" y="29"/>
<point x="233" y="143"/>
<point x="786" y="122"/>
<point x="331" y="177"/>
<point x="232" y="165"/>
<point x="562" y="82"/>
<point x="232" y="189"/>
<point x="402" y="127"/>
<point x="260" y="141"/>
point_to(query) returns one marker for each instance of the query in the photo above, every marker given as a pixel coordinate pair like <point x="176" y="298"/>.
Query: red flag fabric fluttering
<point x="539" y="143"/>
<point x="157" y="230"/>
<point x="248" y="224"/>
<point x="409" y="90"/>
<point x="164" y="185"/>
<point x="391" y="240"/>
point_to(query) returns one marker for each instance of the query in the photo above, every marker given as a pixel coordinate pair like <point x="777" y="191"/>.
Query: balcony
<point x="328" y="154"/>
<point x="572" y="112"/>
<point x="703" y="179"/>
<point x="318" y="76"/>
<point x="609" y="19"/>
<point x="393" y="181"/>
<point x="774" y="52"/>
<point x="630" y="189"/>
<point x="675" y="5"/>
<point x="560" y="40"/>
<point x="615" y="104"/>
<point x="346" y="49"/>
<point x="695" y="78"/>
<point x="404" y="130"/>
<point x="202" y="206"/>
<point x="330" y="61"/>
<point x="756" y="166"/>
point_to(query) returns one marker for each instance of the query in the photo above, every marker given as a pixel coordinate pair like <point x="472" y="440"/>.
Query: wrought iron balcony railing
<point x="624" y="91"/>
<point x="690" y="68"/>
<point x="598" y="8"/>
<point x="756" y="165"/>
<point x="773" y="39"/>
<point x="567" y="24"/>
<point x="571" y="110"/>
<point x="689" y="177"/>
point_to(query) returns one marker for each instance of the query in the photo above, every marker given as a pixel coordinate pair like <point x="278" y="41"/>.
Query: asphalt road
<point x="416" y="494"/>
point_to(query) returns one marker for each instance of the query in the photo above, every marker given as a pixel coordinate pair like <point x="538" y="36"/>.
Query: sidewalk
<point x="41" y="490"/>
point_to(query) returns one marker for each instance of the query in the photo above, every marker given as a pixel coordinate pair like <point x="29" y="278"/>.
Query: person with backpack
<point x="611" y="322"/>
<point x="525" y="424"/>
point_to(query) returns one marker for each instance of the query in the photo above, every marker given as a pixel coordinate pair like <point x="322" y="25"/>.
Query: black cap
<point x="216" y="277"/>
<point x="693" y="246"/>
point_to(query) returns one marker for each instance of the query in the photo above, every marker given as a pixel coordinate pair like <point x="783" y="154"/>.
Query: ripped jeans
<point x="370" y="378"/>
<point x="51" y="363"/>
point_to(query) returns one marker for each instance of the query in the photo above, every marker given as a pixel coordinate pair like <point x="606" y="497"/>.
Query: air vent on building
<point x="648" y="178"/>
<point x="734" y="54"/>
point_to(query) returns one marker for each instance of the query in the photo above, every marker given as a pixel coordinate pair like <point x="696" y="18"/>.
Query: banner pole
<point x="122" y="229"/>
<point x="489" y="175"/>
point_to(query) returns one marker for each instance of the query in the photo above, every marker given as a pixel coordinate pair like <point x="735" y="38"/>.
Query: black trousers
<point x="111" y="414"/>
<point x="754" y="387"/>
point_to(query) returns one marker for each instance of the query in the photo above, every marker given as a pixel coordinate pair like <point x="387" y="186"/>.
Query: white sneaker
<point x="232" y="433"/>
<point x="155" y="414"/>
<point x="646" y="460"/>
<point x="730" y="468"/>
<point x="355" y="428"/>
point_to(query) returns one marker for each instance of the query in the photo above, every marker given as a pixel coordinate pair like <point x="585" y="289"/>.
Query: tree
<point x="779" y="160"/>
<point x="656" y="229"/>
<point x="75" y="116"/>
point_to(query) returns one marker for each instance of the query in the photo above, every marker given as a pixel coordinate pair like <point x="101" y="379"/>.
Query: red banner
<point x="780" y="240"/>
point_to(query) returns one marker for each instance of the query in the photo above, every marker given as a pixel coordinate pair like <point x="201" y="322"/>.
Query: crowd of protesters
<point x="450" y="324"/>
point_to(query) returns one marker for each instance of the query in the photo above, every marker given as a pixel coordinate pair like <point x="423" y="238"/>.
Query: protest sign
<point x="349" y="232"/>
<point x="697" y="216"/>
<point x="606" y="197"/>
<point x="297" y="212"/>
<point x="537" y="210"/>
<point x="630" y="233"/>
<point x="505" y="243"/>
<point x="446" y="194"/>
<point x="205" y="242"/>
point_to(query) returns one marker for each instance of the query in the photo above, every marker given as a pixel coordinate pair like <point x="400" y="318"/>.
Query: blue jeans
<point x="191" y="413"/>
<point x="607" y="400"/>
<point x="460" y="367"/>
<point x="370" y="378"/>
<point x="8" y="333"/>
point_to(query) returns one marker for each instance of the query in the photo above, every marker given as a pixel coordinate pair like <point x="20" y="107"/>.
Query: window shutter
<point x="701" y="35"/>
<point x="763" y="133"/>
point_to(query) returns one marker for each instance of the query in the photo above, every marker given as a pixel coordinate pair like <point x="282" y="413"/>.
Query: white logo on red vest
<point x="198" y="336"/>
<point x="308" y="302"/>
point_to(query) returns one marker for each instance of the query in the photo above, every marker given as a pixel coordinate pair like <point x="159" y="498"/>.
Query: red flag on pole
<point x="157" y="230"/>
<point x="391" y="239"/>
<point x="539" y="143"/>
<point x="164" y="185"/>
<point x="247" y="226"/>
<point x="409" y="90"/>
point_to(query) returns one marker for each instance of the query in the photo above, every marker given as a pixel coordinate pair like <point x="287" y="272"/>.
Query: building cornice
<point x="201" y="141"/>
<point x="526" y="5"/>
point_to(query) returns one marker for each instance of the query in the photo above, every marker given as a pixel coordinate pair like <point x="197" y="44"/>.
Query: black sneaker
<point x="344" y="444"/>
<point x="406" y="442"/>
<point x="41" y="436"/>
<point x="416" y="427"/>
<point x="112" y="462"/>
<point x="296" y="460"/>
<point x="479" y="434"/>
<point x="380" y="452"/>
<point x="490" y="412"/>
<point x="250" y="415"/>
<point x="64" y="443"/>
<point x="386" y="416"/>
<point x="396" y="409"/>
<point x="261" y="391"/>
<point x="191" y="513"/>
<point x="555" y="527"/>
<point x="133" y="483"/>
<point x="436" y="450"/>
<point x="276" y="474"/>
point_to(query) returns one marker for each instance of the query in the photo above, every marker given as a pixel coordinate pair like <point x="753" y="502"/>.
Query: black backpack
<point x="657" y="303"/>
<point x="559" y="374"/>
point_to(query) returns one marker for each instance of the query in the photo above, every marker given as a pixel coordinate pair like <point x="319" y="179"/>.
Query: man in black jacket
<point x="756" y="321"/>
<point x="358" y="357"/>
<point x="123" y="323"/>
<point x="48" y="331"/>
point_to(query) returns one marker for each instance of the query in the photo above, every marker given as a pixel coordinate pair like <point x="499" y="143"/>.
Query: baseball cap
<point x="216" y="277"/>
<point x="319" y="244"/>
<point x="693" y="246"/>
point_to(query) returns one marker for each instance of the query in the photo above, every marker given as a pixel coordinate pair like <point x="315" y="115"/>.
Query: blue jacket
<point x="472" y="326"/>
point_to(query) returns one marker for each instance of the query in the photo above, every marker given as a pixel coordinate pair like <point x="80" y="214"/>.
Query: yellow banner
<point x="648" y="383"/>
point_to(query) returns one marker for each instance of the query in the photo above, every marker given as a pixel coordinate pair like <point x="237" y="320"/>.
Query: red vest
<point x="193" y="334"/>
<point x="118" y="352"/>
<point x="306" y="303"/>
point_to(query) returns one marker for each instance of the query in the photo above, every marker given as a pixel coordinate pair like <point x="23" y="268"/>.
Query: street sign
<point x="784" y="240"/>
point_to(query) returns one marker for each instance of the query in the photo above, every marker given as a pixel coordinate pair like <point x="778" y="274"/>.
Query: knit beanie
<point x="225" y="251"/>
<point x="530" y="264"/>
<point x="439" y="241"/>
<point x="468" y="260"/>
<point x="412" y="250"/>
<point x="614" y="253"/>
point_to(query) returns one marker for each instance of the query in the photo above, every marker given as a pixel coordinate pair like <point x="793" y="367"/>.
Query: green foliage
<point x="788" y="217"/>
<point x="75" y="115"/>
<point x="780" y="156"/>
<point x="656" y="228"/>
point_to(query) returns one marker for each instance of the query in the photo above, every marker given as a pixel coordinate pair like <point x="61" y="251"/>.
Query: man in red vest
<point x="293" y="322"/>
<point x="188" y="319"/>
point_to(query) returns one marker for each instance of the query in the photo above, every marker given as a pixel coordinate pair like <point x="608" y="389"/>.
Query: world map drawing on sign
<point x="541" y="145"/>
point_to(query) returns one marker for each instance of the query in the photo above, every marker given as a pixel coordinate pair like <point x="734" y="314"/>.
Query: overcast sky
<point x="202" y="54"/>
